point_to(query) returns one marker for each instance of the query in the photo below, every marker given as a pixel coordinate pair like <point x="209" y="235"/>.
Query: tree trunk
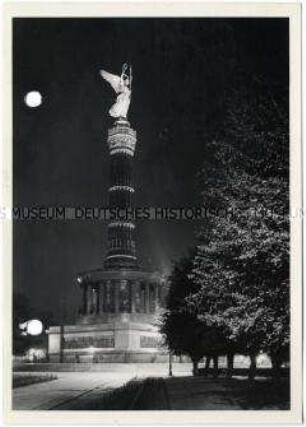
<point x="170" y="365"/>
<point x="195" y="367"/>
<point x="276" y="366"/>
<point x="230" y="365"/>
<point x="215" y="371"/>
<point x="252" y="370"/>
<point x="207" y="363"/>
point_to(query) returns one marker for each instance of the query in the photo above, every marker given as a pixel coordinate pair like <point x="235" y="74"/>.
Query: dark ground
<point x="193" y="393"/>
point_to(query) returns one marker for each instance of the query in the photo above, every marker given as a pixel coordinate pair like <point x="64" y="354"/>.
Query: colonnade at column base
<point x="118" y="291"/>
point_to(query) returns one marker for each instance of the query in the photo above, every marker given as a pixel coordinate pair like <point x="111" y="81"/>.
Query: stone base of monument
<point x="119" y="340"/>
<point x="116" y="322"/>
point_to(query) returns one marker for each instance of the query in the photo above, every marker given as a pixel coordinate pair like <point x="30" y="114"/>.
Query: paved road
<point x="72" y="390"/>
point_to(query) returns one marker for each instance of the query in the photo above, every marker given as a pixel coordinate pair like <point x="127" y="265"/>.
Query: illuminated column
<point x="121" y="243"/>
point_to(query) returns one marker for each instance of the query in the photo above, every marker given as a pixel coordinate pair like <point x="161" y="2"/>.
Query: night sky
<point x="182" y="69"/>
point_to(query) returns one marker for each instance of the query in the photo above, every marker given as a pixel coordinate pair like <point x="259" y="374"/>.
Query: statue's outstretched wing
<point x="112" y="79"/>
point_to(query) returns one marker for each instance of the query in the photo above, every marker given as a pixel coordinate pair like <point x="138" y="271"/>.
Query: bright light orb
<point x="33" y="99"/>
<point x="34" y="327"/>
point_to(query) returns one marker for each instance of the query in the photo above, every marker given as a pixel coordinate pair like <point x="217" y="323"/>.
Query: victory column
<point x="119" y="300"/>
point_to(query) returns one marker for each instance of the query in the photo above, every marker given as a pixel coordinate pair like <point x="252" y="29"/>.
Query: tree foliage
<point x="180" y="327"/>
<point x="242" y="262"/>
<point x="184" y="330"/>
<point x="236" y="292"/>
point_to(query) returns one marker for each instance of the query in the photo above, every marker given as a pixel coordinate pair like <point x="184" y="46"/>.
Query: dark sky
<point x="183" y="70"/>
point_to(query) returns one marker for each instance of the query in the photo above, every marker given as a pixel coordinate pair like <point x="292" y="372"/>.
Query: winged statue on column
<point x="122" y="85"/>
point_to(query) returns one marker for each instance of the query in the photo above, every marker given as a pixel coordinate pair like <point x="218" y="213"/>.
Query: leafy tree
<point x="242" y="262"/>
<point x="184" y="331"/>
<point x="179" y="327"/>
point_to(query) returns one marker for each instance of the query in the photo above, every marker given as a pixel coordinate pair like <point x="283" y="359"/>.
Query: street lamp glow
<point x="34" y="327"/>
<point x="33" y="99"/>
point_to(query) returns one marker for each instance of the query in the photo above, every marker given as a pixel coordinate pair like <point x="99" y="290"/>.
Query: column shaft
<point x="147" y="300"/>
<point x="98" y="300"/>
<point x="84" y="308"/>
<point x="89" y="300"/>
<point x="133" y="292"/>
<point x="156" y="302"/>
<point x="116" y="295"/>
